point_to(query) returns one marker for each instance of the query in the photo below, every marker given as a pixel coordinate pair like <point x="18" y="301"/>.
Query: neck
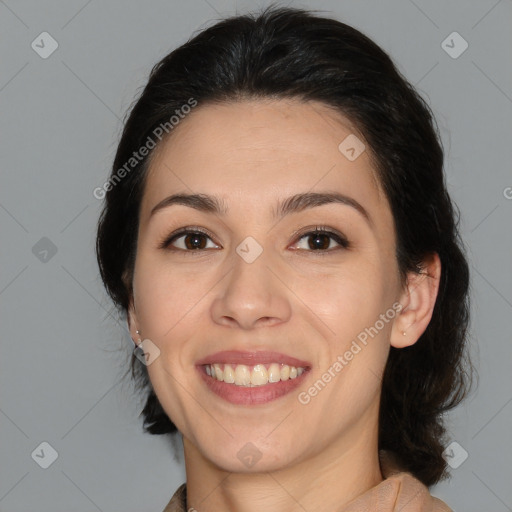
<point x="327" y="480"/>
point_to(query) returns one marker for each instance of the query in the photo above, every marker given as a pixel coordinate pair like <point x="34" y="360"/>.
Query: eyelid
<point x="337" y="236"/>
<point x="184" y="231"/>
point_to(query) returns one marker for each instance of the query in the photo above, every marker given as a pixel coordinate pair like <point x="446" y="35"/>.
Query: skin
<point x="291" y="299"/>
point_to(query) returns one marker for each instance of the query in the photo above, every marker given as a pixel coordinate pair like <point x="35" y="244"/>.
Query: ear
<point x="131" y="318"/>
<point x="418" y="300"/>
<point x="131" y="314"/>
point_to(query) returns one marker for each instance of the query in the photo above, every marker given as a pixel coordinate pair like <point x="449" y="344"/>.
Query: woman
<point x="278" y="231"/>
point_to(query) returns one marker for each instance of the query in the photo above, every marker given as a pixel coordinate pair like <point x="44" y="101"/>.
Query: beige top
<point x="398" y="492"/>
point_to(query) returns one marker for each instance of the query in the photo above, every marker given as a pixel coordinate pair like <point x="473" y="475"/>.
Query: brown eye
<point x="321" y="240"/>
<point x="188" y="240"/>
<point x="194" y="241"/>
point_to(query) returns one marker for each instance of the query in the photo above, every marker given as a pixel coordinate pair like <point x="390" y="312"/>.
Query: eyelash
<point x="318" y="230"/>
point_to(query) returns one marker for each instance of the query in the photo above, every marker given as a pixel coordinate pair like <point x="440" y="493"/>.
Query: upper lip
<point x="250" y="358"/>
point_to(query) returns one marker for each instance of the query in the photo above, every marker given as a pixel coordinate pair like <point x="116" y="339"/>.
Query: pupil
<point x="196" y="241"/>
<point x="317" y="244"/>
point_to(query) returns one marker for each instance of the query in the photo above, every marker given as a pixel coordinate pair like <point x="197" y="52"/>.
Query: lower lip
<point x="241" y="395"/>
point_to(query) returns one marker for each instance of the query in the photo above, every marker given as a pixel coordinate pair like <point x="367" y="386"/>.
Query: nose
<point x="251" y="295"/>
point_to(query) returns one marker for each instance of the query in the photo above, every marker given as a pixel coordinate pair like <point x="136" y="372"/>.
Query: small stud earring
<point x="404" y="333"/>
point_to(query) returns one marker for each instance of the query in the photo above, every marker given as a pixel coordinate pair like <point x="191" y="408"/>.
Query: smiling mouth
<point x="252" y="376"/>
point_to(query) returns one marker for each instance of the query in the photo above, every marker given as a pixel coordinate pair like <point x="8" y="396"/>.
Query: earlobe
<point x="418" y="300"/>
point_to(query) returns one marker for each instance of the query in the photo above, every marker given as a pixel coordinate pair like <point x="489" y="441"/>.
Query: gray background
<point x="63" y="351"/>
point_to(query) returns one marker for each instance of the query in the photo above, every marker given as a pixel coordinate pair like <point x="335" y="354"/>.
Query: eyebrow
<point x="292" y="204"/>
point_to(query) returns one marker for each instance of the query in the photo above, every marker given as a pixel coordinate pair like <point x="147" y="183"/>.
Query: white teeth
<point x="242" y="375"/>
<point x="219" y="374"/>
<point x="258" y="375"/>
<point x="274" y="373"/>
<point x="229" y="374"/>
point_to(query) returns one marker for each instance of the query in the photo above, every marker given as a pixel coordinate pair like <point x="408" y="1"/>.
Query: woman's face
<point x="256" y="287"/>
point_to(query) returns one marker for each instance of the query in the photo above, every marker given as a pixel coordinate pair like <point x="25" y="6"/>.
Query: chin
<point x="245" y="456"/>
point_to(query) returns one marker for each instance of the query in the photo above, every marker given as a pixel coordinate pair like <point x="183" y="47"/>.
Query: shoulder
<point x="409" y="492"/>
<point x="398" y="492"/>
<point x="178" y="501"/>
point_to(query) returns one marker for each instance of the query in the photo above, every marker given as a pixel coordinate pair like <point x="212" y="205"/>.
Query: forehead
<point x="256" y="151"/>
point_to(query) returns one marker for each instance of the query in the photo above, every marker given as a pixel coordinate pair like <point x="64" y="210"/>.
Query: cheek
<point x="164" y="296"/>
<point x="346" y="296"/>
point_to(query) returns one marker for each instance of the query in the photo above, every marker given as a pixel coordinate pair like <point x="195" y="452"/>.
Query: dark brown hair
<point x="292" y="53"/>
